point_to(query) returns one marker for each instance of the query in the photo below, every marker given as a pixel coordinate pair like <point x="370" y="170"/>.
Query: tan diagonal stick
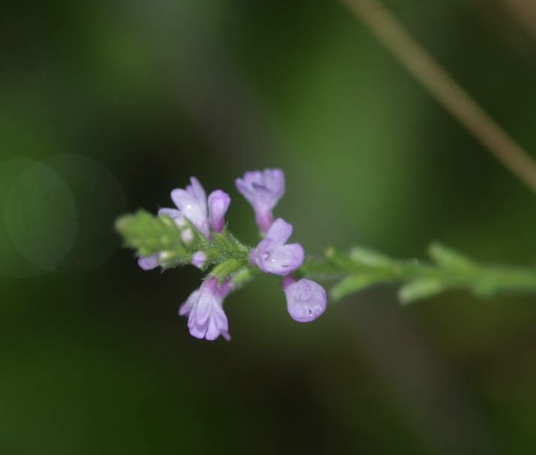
<point x="444" y="88"/>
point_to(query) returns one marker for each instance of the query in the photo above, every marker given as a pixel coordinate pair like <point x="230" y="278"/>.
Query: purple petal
<point x="275" y="181"/>
<point x="203" y="309"/>
<point x="220" y="318"/>
<point x="284" y="259"/>
<point x="186" y="307"/>
<point x="277" y="259"/>
<point x="280" y="231"/>
<point x="192" y="209"/>
<point x="198" y="192"/>
<point x="253" y="177"/>
<point x="263" y="191"/>
<point x="149" y="262"/>
<point x="199" y="259"/>
<point x="212" y="330"/>
<point x="206" y="316"/>
<point x="172" y="213"/>
<point x="306" y="300"/>
<point x="218" y="203"/>
<point x="195" y="331"/>
<point x="245" y="190"/>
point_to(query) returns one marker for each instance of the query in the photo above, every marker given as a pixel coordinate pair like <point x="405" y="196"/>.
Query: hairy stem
<point x="447" y="270"/>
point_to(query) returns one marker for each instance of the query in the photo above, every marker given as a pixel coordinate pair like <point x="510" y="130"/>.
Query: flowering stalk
<point x="195" y="234"/>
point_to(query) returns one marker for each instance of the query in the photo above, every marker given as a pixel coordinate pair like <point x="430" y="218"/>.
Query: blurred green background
<point x="107" y="106"/>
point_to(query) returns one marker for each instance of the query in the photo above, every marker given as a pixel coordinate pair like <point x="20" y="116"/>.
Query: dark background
<point x="105" y="107"/>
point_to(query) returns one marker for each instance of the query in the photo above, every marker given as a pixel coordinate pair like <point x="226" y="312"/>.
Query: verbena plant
<point x="195" y="234"/>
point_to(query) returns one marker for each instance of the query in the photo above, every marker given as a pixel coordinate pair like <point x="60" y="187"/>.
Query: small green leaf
<point x="353" y="284"/>
<point x="448" y="258"/>
<point x="420" y="289"/>
<point x="369" y="257"/>
<point x="338" y="259"/>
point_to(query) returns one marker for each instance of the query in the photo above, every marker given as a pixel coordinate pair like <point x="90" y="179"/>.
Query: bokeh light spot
<point x="40" y="216"/>
<point x="99" y="200"/>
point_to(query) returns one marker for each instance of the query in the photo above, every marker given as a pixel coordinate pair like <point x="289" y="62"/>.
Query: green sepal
<point x="353" y="284"/>
<point x="369" y="257"/>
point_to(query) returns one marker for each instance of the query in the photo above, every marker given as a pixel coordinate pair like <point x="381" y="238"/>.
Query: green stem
<point x="448" y="270"/>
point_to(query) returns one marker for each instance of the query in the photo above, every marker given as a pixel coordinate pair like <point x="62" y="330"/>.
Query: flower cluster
<point x="204" y="241"/>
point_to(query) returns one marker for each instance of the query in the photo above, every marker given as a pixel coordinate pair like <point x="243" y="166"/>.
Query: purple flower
<point x="218" y="204"/>
<point x="148" y="262"/>
<point x="204" y="308"/>
<point x="306" y="300"/>
<point x="263" y="191"/>
<point x="199" y="259"/>
<point x="273" y="255"/>
<point x="192" y="204"/>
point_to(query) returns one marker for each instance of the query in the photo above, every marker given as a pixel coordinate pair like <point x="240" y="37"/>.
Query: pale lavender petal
<point x="205" y="308"/>
<point x="198" y="192"/>
<point x="275" y="181"/>
<point x="263" y="191"/>
<point x="281" y="260"/>
<point x="148" y="262"/>
<point x="245" y="190"/>
<point x="212" y="330"/>
<point x="306" y="300"/>
<point x="172" y="213"/>
<point x="280" y="231"/>
<point x="253" y="176"/>
<point x="218" y="203"/>
<point x="199" y="259"/>
<point x="197" y="332"/>
<point x="220" y="318"/>
<point x="192" y="209"/>
<point x="186" y="307"/>
<point x="272" y="255"/>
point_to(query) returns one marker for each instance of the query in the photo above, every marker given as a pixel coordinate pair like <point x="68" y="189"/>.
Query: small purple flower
<point x="218" y="204"/>
<point x="263" y="191"/>
<point x="192" y="204"/>
<point x="204" y="308"/>
<point x="199" y="259"/>
<point x="306" y="300"/>
<point x="149" y="262"/>
<point x="273" y="255"/>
